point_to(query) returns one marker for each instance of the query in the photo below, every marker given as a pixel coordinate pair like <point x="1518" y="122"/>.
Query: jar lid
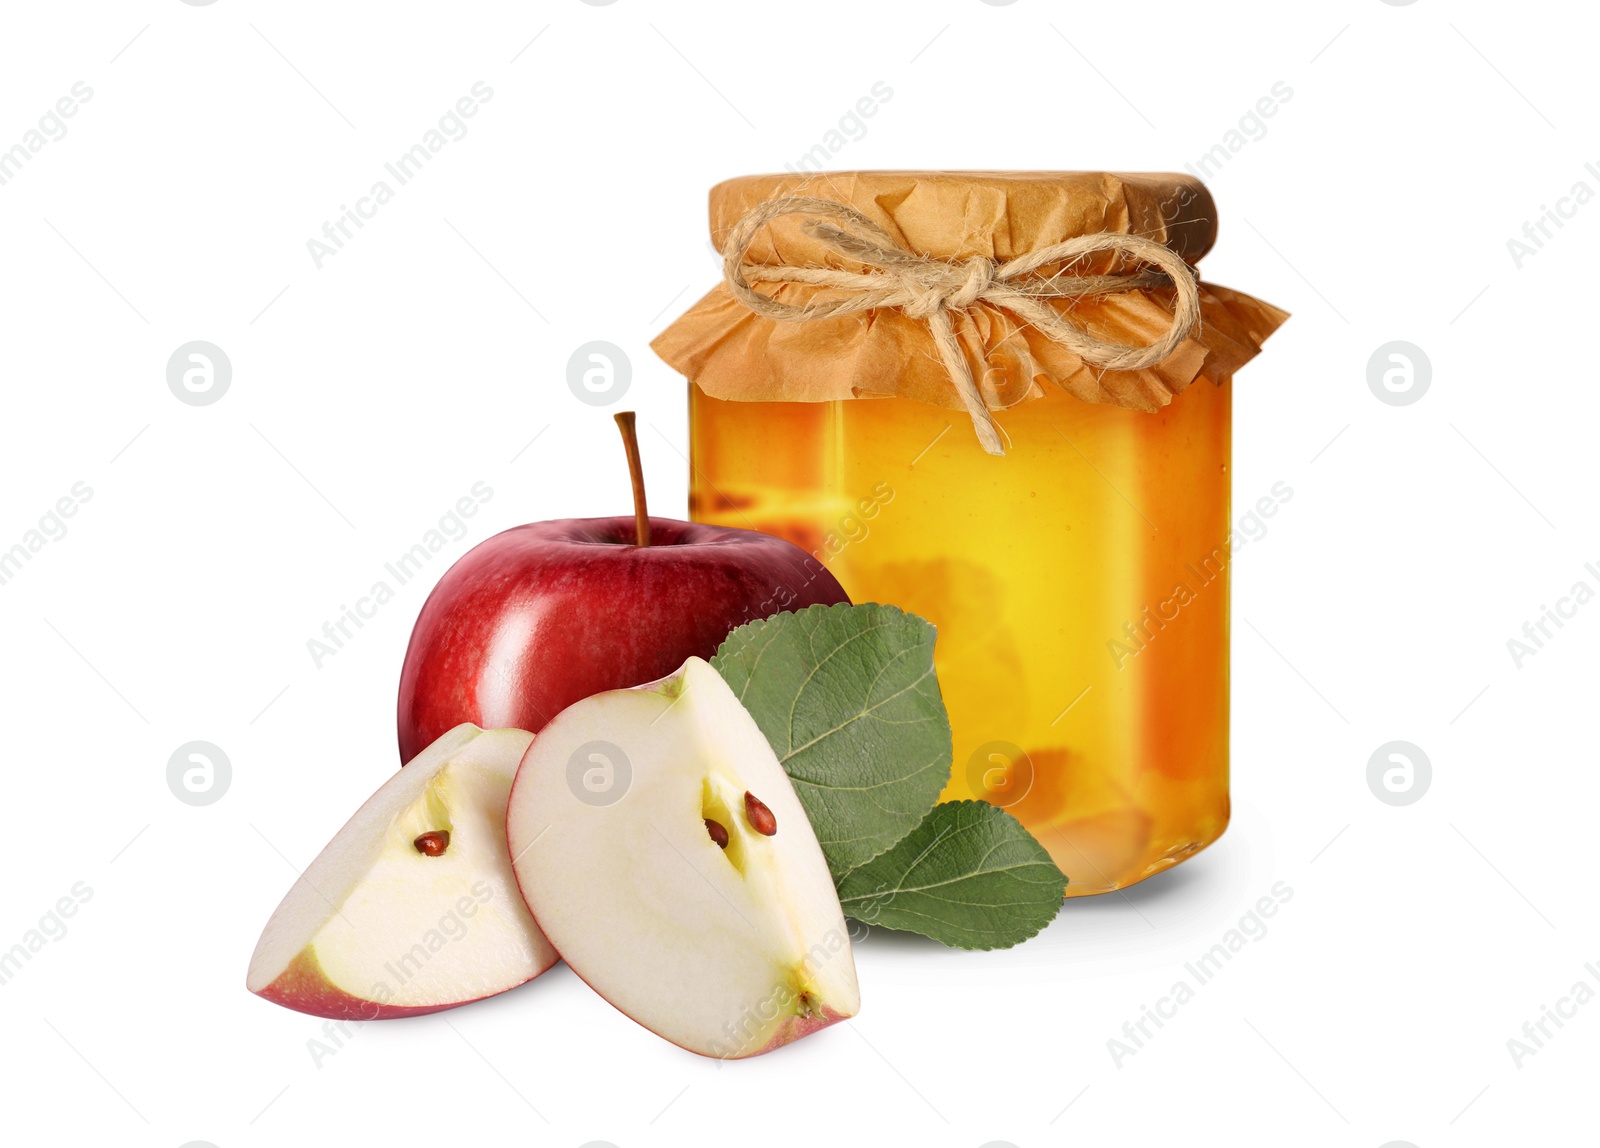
<point x="967" y="290"/>
<point x="998" y="214"/>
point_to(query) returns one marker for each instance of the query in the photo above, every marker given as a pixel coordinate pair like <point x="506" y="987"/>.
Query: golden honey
<point x="1079" y="585"/>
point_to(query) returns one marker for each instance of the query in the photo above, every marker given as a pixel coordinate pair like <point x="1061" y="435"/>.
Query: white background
<point x="369" y="395"/>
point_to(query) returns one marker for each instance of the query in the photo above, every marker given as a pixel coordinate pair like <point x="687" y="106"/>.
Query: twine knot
<point x="953" y="286"/>
<point x="933" y="290"/>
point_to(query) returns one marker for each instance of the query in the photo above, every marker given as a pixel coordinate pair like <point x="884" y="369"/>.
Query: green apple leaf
<point x="970" y="876"/>
<point x="848" y="698"/>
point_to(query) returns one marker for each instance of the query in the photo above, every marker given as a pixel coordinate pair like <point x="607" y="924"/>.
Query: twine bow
<point x="933" y="290"/>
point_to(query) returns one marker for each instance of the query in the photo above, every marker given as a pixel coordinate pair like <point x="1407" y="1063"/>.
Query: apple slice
<point x="663" y="851"/>
<point x="412" y="907"/>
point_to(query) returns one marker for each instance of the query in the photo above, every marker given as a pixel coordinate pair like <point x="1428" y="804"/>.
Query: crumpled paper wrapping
<point x="731" y="353"/>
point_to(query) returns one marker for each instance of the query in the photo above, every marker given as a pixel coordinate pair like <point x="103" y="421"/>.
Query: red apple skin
<point x="796" y="1027"/>
<point x="544" y="615"/>
<point x="303" y="987"/>
<point x="790" y="1031"/>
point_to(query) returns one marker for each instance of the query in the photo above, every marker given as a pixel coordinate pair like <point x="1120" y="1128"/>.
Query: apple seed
<point x="718" y="833"/>
<point x="761" y="819"/>
<point x="433" y="844"/>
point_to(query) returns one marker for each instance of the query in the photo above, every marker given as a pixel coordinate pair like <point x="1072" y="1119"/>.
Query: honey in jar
<point x="1075" y="563"/>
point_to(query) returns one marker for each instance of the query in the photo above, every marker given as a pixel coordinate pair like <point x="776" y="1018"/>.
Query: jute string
<point x="934" y="290"/>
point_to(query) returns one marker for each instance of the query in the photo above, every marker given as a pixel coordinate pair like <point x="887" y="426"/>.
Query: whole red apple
<point x="544" y="615"/>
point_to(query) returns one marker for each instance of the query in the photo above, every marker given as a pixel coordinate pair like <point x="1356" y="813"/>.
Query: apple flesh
<point x="412" y="907"/>
<point x="541" y="616"/>
<point x="663" y="851"/>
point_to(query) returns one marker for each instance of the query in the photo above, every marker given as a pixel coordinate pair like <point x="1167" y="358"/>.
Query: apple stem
<point x="630" y="443"/>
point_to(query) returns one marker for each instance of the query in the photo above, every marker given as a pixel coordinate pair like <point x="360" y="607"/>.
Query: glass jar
<point x="1079" y="583"/>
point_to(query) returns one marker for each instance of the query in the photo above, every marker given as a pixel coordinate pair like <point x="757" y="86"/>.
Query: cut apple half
<point x="663" y="851"/>
<point x="412" y="907"/>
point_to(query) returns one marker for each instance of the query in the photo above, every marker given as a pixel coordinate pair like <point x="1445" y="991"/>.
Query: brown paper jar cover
<point x="731" y="353"/>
